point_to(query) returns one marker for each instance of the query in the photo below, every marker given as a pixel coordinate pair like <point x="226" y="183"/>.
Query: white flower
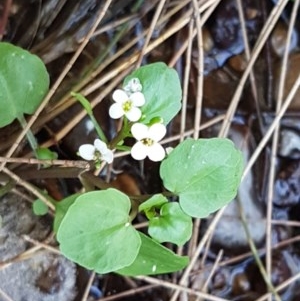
<point x="126" y="105"/>
<point x="134" y="85"/>
<point x="147" y="144"/>
<point x="97" y="152"/>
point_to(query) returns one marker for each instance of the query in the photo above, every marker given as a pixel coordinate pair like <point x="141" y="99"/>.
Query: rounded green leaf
<point x="39" y="207"/>
<point x="154" y="259"/>
<point x="204" y="173"/>
<point x="61" y="208"/>
<point x="162" y="90"/>
<point x="24" y="81"/>
<point x="96" y="232"/>
<point x="172" y="225"/>
<point x="45" y="154"/>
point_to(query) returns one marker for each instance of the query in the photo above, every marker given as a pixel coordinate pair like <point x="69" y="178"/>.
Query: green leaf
<point x="205" y="173"/>
<point x="84" y="102"/>
<point x="43" y="153"/>
<point x="24" y="81"/>
<point x="96" y="232"/>
<point x="61" y="209"/>
<point x="149" y="206"/>
<point x="156" y="201"/>
<point x="162" y="90"/>
<point x="173" y="225"/>
<point x="39" y="207"/>
<point x="153" y="259"/>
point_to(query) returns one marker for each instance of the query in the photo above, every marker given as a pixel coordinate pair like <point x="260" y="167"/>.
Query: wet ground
<point x="269" y="195"/>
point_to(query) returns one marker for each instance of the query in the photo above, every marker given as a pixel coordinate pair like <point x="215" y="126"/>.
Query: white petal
<point x="120" y="96"/>
<point x="136" y="87"/>
<point x="156" y="152"/>
<point x="157" y="131"/>
<point x="100" y="146"/>
<point x="108" y="156"/>
<point x="87" y="151"/>
<point x="134" y="114"/>
<point x="139" y="131"/>
<point x="139" y="151"/>
<point x="116" y="111"/>
<point x="138" y="99"/>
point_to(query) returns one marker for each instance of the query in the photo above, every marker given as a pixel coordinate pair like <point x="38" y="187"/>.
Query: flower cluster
<point x="127" y="103"/>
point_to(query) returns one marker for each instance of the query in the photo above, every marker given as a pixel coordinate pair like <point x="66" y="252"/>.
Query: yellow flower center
<point x="97" y="158"/>
<point x="127" y="105"/>
<point x="147" y="141"/>
<point x="97" y="155"/>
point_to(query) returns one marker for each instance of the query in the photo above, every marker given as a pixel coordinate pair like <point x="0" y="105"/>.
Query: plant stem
<point x="30" y="137"/>
<point x="124" y="132"/>
<point x="98" y="128"/>
<point x="87" y="106"/>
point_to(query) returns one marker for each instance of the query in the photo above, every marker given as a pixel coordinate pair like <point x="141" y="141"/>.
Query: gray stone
<point x="44" y="276"/>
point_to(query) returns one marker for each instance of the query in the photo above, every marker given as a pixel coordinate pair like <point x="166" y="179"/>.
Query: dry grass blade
<point x="150" y="31"/>
<point x="200" y="65"/>
<point x="214" y="268"/>
<point x="129" y="293"/>
<point x="29" y="187"/>
<point x="180" y="288"/>
<point x="42" y="245"/>
<point x="281" y="286"/>
<point x="186" y="78"/>
<point x="5" y="296"/>
<point x="88" y="286"/>
<point x="64" y="163"/>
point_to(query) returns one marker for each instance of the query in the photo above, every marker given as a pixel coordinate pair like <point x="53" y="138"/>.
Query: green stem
<point x="30" y="137"/>
<point x="134" y="210"/>
<point x="87" y="106"/>
<point x="124" y="133"/>
<point x="98" y="128"/>
<point x="123" y="148"/>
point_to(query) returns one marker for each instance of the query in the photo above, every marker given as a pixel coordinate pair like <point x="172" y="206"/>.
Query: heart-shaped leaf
<point x="172" y="225"/>
<point x="153" y="259"/>
<point x="96" y="232"/>
<point x="61" y="209"/>
<point x="205" y="173"/>
<point x="162" y="90"/>
<point x="24" y="81"/>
